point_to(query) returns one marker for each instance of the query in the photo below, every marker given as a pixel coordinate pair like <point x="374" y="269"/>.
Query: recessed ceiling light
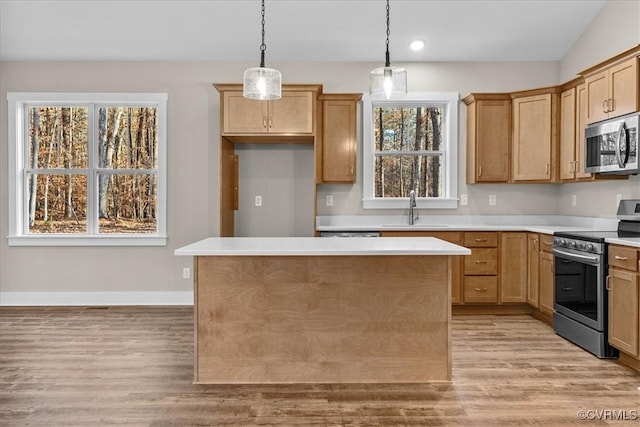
<point x="417" y="45"/>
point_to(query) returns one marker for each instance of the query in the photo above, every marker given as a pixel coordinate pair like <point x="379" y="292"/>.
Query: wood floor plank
<point x="133" y="366"/>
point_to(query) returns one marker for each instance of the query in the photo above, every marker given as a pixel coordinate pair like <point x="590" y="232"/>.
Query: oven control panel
<point x="578" y="245"/>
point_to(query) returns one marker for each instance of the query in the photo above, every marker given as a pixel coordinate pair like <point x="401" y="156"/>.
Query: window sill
<point x="109" y="240"/>
<point x="403" y="203"/>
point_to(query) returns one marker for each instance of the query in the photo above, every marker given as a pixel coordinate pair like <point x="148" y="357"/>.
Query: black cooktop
<point x="625" y="229"/>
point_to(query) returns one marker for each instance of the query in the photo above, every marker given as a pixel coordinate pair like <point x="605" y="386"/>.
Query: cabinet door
<point x="339" y="141"/>
<point x="481" y="262"/>
<point x="581" y="124"/>
<point x="533" y="269"/>
<point x="623" y="311"/>
<point x="623" y="88"/>
<point x="492" y="140"/>
<point x="568" y="134"/>
<point x="513" y="267"/>
<point x="242" y="115"/>
<point x="546" y="283"/>
<point x="597" y="95"/>
<point x="481" y="289"/>
<point x="293" y="113"/>
<point x="532" y="138"/>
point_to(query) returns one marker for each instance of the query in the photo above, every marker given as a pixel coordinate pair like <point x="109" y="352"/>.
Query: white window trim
<point x="450" y="157"/>
<point x="16" y="122"/>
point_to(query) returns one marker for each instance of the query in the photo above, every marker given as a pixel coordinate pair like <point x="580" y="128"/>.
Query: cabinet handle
<point x="351" y="171"/>
<point x="605" y="106"/>
<point x="480" y="262"/>
<point x="546" y="168"/>
<point x="264" y="121"/>
<point x="536" y="245"/>
<point x="546" y="243"/>
<point x="480" y="289"/>
<point x="607" y="283"/>
<point x="479" y="171"/>
<point x="270" y="122"/>
<point x="621" y="258"/>
<point x="610" y="104"/>
<point x="481" y="240"/>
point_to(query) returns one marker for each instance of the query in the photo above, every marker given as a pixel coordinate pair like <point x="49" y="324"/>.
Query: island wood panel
<point x="337" y="319"/>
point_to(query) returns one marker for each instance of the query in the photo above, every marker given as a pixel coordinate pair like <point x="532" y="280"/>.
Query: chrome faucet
<point x="412" y="204"/>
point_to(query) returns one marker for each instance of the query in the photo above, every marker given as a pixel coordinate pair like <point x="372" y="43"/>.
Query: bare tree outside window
<point x="408" y="151"/>
<point x="61" y="167"/>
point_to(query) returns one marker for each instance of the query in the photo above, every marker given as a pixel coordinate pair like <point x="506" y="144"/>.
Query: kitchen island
<point x="314" y="310"/>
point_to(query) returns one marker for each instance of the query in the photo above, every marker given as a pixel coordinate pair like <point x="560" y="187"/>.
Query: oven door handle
<point x="578" y="258"/>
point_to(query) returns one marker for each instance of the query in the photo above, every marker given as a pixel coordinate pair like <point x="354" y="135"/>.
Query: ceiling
<point x="296" y="30"/>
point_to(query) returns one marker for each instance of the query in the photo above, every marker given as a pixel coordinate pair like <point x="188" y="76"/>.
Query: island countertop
<point x="316" y="246"/>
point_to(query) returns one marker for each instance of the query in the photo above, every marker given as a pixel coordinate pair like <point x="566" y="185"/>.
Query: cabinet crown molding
<point x="621" y="57"/>
<point x="223" y="87"/>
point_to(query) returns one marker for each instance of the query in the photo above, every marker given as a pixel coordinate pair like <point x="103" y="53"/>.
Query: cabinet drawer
<point x="482" y="262"/>
<point x="481" y="289"/>
<point x="546" y="242"/>
<point x="481" y="239"/>
<point x="622" y="257"/>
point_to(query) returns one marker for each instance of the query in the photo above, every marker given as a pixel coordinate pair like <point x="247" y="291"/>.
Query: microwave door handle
<point x="621" y="133"/>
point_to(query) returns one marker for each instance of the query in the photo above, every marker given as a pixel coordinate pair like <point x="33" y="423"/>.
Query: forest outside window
<point x="87" y="169"/>
<point x="410" y="144"/>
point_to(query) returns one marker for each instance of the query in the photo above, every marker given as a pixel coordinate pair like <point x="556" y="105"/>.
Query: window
<point x="87" y="168"/>
<point x="410" y="144"/>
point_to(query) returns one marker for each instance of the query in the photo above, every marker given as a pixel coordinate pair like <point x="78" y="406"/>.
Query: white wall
<point x="193" y="156"/>
<point x="282" y="174"/>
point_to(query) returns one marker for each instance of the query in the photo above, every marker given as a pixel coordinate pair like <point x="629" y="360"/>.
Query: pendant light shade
<point x="261" y="82"/>
<point x="387" y="80"/>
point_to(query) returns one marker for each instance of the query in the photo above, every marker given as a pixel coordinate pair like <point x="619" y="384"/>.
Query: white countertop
<point x="626" y="241"/>
<point x="315" y="246"/>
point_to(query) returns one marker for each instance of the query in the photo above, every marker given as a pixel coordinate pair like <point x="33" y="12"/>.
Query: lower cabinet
<point x="513" y="267"/>
<point x="480" y="280"/>
<point x="533" y="269"/>
<point x="546" y="283"/>
<point x="623" y="284"/>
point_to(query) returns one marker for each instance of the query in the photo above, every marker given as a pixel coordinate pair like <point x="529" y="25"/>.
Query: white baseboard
<point x="94" y="298"/>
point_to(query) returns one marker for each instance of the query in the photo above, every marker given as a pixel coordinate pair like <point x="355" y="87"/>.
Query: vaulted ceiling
<point x="296" y="30"/>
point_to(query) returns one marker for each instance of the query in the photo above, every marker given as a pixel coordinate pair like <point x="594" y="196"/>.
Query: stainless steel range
<point x="580" y="270"/>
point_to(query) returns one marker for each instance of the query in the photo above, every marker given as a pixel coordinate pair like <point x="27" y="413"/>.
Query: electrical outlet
<point x="492" y="199"/>
<point x="186" y="273"/>
<point x="464" y="200"/>
<point x="258" y="200"/>
<point x="574" y="200"/>
<point x="328" y="200"/>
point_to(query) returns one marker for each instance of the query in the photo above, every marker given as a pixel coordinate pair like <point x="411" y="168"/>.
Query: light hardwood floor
<point x="134" y="366"/>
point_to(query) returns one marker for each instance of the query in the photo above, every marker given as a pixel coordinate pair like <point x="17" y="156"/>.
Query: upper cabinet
<point x="336" y="147"/>
<point x="573" y="120"/>
<point x="535" y="134"/>
<point x="612" y="87"/>
<point x="292" y="115"/>
<point x="488" y="137"/>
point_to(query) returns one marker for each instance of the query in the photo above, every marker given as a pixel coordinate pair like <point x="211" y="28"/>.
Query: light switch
<point x="492" y="199"/>
<point x="258" y="200"/>
<point x="328" y="200"/>
<point x="464" y="200"/>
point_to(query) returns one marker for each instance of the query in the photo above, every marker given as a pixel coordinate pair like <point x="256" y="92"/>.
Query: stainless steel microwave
<point x="612" y="146"/>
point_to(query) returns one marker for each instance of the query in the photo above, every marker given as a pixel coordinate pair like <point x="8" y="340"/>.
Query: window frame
<point x="18" y="165"/>
<point x="450" y="101"/>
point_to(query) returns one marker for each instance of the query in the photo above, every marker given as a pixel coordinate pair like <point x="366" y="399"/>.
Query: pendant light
<point x="261" y="82"/>
<point x="388" y="80"/>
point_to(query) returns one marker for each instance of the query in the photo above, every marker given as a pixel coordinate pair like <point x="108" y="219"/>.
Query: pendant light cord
<point x="387" y="61"/>
<point x="263" y="46"/>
